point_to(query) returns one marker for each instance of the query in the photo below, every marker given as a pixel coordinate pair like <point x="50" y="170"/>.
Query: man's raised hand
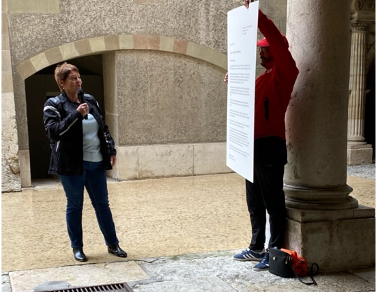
<point x="246" y="3"/>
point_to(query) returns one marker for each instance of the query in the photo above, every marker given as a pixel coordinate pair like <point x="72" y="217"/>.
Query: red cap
<point x="263" y="43"/>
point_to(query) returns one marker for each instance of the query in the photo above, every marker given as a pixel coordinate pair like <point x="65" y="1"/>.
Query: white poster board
<point x="242" y="46"/>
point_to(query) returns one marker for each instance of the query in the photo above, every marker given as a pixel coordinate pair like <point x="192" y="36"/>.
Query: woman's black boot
<point x="115" y="249"/>
<point x="79" y="254"/>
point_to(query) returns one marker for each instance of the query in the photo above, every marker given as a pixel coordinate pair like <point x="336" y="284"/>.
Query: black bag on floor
<point x="280" y="264"/>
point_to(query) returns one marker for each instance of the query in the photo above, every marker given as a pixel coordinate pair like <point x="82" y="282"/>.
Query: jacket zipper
<point x="266" y="108"/>
<point x="68" y="127"/>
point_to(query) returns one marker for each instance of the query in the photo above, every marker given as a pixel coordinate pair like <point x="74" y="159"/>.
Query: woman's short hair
<point x="62" y="71"/>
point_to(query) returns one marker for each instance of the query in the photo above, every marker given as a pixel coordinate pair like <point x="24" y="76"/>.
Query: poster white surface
<point x="242" y="40"/>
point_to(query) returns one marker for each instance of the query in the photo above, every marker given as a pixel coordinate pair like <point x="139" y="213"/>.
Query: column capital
<point x="362" y="5"/>
<point x="359" y="26"/>
<point x="363" y="11"/>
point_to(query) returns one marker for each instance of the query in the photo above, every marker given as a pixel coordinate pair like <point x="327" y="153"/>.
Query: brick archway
<point x="119" y="42"/>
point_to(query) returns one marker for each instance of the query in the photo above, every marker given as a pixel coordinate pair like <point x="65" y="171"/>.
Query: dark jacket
<point x="63" y="125"/>
<point x="274" y="87"/>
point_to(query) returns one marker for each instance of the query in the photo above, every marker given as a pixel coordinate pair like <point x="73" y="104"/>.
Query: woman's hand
<point x="226" y="78"/>
<point x="113" y="159"/>
<point x="83" y="109"/>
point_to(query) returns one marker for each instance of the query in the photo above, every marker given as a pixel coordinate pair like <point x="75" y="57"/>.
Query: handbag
<point x="287" y="264"/>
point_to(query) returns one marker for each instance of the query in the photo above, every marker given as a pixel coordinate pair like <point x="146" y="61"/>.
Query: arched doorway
<point x="39" y="87"/>
<point x="212" y="63"/>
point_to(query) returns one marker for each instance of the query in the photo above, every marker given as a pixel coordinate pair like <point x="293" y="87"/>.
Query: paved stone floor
<point x="180" y="234"/>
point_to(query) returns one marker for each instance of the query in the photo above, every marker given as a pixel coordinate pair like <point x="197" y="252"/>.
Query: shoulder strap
<point x="312" y="274"/>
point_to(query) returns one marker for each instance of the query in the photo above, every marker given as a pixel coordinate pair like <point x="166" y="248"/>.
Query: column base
<point x="336" y="241"/>
<point x="359" y="154"/>
<point x="336" y="198"/>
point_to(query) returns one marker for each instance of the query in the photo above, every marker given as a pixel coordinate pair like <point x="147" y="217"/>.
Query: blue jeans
<point x="94" y="180"/>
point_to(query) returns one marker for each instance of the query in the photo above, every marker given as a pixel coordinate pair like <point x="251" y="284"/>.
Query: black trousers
<point x="266" y="192"/>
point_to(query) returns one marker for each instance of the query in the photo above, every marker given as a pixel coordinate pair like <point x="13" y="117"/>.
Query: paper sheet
<point x="242" y="40"/>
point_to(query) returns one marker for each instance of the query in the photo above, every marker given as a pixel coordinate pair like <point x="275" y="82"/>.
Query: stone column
<point x="11" y="157"/>
<point x="321" y="213"/>
<point x="358" y="150"/>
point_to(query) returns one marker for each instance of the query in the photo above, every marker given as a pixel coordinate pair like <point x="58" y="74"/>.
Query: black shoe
<point x="115" y="249"/>
<point x="79" y="255"/>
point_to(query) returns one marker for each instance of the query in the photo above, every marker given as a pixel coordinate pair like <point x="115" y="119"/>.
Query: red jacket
<point x="274" y="87"/>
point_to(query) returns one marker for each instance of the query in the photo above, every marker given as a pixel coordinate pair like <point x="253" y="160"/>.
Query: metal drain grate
<point x="122" y="287"/>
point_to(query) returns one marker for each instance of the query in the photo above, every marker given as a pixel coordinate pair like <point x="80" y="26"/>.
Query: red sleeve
<point x="284" y="64"/>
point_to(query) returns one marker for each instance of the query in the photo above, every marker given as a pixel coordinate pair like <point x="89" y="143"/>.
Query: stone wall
<point x="168" y="93"/>
<point x="164" y="98"/>
<point x="10" y="164"/>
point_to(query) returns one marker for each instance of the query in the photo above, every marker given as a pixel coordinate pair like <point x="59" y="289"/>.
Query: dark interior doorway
<point x="39" y="87"/>
<point x="370" y="108"/>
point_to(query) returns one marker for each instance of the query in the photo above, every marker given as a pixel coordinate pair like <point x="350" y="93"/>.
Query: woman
<point x="81" y="151"/>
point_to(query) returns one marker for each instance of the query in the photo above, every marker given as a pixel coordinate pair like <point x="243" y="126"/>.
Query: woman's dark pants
<point x="94" y="180"/>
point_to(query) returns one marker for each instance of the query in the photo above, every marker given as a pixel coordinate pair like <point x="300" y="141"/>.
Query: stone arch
<point x="104" y="44"/>
<point x="119" y="42"/>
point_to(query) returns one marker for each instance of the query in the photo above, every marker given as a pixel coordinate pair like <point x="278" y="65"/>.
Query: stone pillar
<point x="359" y="151"/>
<point x="10" y="162"/>
<point x="325" y="224"/>
<point x="356" y="107"/>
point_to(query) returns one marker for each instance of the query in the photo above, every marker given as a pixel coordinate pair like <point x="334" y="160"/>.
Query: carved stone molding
<point x="362" y="5"/>
<point x="358" y="5"/>
<point x="357" y="26"/>
<point x="370" y="5"/>
<point x="363" y="11"/>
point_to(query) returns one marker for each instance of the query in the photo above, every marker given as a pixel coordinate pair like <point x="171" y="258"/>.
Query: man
<point x="272" y="94"/>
